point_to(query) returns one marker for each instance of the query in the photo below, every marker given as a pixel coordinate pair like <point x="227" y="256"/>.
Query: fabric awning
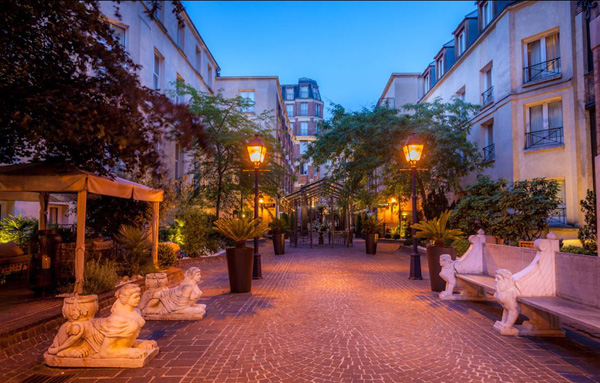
<point x="23" y="182"/>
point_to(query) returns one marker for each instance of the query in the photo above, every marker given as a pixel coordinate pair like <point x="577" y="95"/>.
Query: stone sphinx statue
<point x="448" y="274"/>
<point x="506" y="294"/>
<point x="85" y="341"/>
<point x="176" y="303"/>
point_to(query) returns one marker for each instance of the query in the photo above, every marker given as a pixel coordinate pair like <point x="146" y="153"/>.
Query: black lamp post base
<point x="256" y="267"/>
<point x="415" y="267"/>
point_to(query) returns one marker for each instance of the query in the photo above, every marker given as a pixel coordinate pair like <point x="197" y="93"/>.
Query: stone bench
<point x="521" y="287"/>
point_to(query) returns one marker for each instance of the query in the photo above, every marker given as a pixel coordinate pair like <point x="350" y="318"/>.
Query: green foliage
<point x="577" y="250"/>
<point x="75" y="93"/>
<point x="371" y="225"/>
<point x="17" y="229"/>
<point x="105" y="215"/>
<point x="279" y="225"/>
<point x="388" y="235"/>
<point x="461" y="245"/>
<point x="100" y="276"/>
<point x="167" y="256"/>
<point x="515" y="212"/>
<point x="135" y="249"/>
<point x="240" y="230"/>
<point x="435" y="204"/>
<point x="436" y="230"/>
<point x="197" y="235"/>
<point x="587" y="233"/>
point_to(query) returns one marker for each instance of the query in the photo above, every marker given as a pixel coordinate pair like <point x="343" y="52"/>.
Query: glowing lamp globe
<point x="413" y="149"/>
<point x="393" y="200"/>
<point x="257" y="151"/>
<point x="261" y="199"/>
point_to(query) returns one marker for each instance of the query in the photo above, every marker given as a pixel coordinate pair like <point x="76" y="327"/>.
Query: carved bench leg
<point x="468" y="292"/>
<point x="540" y="323"/>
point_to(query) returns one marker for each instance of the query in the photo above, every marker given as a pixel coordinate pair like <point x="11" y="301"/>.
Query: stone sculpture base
<point x="524" y="330"/>
<point x="190" y="316"/>
<point x="58" y="361"/>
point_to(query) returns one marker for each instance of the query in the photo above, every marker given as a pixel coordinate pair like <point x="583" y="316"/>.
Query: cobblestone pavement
<point x="334" y="315"/>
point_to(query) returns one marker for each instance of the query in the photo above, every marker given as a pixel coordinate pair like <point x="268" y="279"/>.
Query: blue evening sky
<point x="349" y="48"/>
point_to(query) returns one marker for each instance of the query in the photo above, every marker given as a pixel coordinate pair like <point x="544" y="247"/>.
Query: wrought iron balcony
<point x="545" y="137"/>
<point x="386" y="102"/>
<point x="487" y="97"/>
<point x="489" y="153"/>
<point x="558" y="217"/>
<point x="542" y="71"/>
<point x="590" y="92"/>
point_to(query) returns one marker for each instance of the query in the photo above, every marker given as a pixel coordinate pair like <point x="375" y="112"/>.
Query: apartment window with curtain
<point x="247" y="95"/>
<point x="487" y="96"/>
<point x="304" y="128"/>
<point x="304" y="91"/>
<point x="289" y="93"/>
<point x="120" y="34"/>
<point x="290" y="110"/>
<point x="489" y="149"/>
<point x="304" y="109"/>
<point x="180" y="35"/>
<point x="545" y="125"/>
<point x="157" y="72"/>
<point x="461" y="42"/>
<point x="542" y="58"/>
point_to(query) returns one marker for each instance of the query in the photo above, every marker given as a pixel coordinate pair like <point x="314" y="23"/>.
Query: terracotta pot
<point x="433" y="259"/>
<point x="371" y="243"/>
<point x="279" y="243"/>
<point x="239" y="267"/>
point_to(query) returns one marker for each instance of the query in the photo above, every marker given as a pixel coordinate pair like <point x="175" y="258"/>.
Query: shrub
<point x="278" y="225"/>
<point x="371" y="225"/>
<point x="18" y="230"/>
<point x="167" y="255"/>
<point x="577" y="250"/>
<point x="587" y="233"/>
<point x="197" y="235"/>
<point x="135" y="249"/>
<point x="461" y="245"/>
<point x="436" y="230"/>
<point x="387" y="235"/>
<point x="100" y="276"/>
<point x="240" y="230"/>
<point x="396" y="236"/>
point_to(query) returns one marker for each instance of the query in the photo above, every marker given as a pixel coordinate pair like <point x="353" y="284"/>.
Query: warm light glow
<point x="257" y="151"/>
<point x="404" y="214"/>
<point x="393" y="200"/>
<point x="260" y="200"/>
<point x="413" y="149"/>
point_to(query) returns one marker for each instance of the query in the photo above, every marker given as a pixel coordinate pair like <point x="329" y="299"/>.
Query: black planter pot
<point x="239" y="267"/>
<point x="279" y="243"/>
<point x="433" y="259"/>
<point x="371" y="243"/>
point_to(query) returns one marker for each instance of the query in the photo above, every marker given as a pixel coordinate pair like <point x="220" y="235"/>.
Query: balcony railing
<point x="489" y="153"/>
<point x="558" y="217"/>
<point x="546" y="137"/>
<point x="542" y="71"/>
<point x="487" y="96"/>
<point x="386" y="102"/>
<point x="590" y="93"/>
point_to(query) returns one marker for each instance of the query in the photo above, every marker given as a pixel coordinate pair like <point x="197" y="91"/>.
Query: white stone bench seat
<point x="485" y="281"/>
<point x="584" y="316"/>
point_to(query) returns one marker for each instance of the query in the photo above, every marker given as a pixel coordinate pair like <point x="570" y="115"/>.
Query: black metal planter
<point x="239" y="267"/>
<point x="371" y="243"/>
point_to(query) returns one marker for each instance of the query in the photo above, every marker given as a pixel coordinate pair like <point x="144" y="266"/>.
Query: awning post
<point x="44" y="197"/>
<point x="80" y="243"/>
<point x="155" y="233"/>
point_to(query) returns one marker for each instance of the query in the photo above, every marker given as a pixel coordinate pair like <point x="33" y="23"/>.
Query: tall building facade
<point x="525" y="63"/>
<point x="304" y="108"/>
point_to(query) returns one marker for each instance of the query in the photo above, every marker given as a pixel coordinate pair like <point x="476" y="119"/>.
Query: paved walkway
<point x="335" y="315"/>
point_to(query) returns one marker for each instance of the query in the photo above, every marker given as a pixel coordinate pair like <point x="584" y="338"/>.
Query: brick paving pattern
<point x="333" y="315"/>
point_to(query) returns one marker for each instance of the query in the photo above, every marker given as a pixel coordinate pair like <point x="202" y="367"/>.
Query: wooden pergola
<point x="36" y="181"/>
<point x="304" y="199"/>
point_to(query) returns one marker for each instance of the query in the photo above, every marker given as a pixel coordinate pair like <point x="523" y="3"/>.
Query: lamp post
<point x="256" y="151"/>
<point x="261" y="202"/>
<point x="413" y="148"/>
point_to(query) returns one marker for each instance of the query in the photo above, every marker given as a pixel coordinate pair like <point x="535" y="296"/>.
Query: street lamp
<point x="261" y="202"/>
<point x="256" y="151"/>
<point x="413" y="148"/>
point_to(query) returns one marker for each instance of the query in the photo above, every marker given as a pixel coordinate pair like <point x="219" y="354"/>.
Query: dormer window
<point x="427" y="83"/>
<point x="461" y="42"/>
<point x="486" y="14"/>
<point x="439" y="67"/>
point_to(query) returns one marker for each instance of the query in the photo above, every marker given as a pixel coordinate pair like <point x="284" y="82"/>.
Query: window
<point x="180" y="81"/>
<point x="316" y="127"/>
<point x="461" y="93"/>
<point x="180" y="35"/>
<point x="120" y="34"/>
<point x="289" y="93"/>
<point x="486" y="14"/>
<point x="304" y="128"/>
<point x="559" y="216"/>
<point x="487" y="96"/>
<point x="545" y="125"/>
<point x="290" y="110"/>
<point x="542" y="59"/>
<point x="53" y="218"/>
<point x="198" y="59"/>
<point x="317" y="110"/>
<point x="210" y="75"/>
<point x="247" y="95"/>
<point x="156" y="75"/>
<point x="179" y="153"/>
<point x="489" y="149"/>
<point x="303" y="147"/>
<point x="426" y="83"/>
<point x="304" y="109"/>
<point x="439" y="67"/>
<point x="304" y="91"/>
<point x="461" y="42"/>
<point x="316" y="93"/>
<point x="304" y="169"/>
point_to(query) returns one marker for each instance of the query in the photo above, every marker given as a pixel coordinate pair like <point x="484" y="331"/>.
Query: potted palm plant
<point x="279" y="227"/>
<point x="438" y="234"/>
<point x="240" y="257"/>
<point x="370" y="228"/>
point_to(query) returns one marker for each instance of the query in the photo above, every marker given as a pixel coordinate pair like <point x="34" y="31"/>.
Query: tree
<point x="219" y="165"/>
<point x="587" y="233"/>
<point x="71" y="91"/>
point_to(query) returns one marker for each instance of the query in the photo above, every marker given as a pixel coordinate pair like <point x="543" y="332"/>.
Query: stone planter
<point x="156" y="281"/>
<point x="279" y="243"/>
<point x="371" y="243"/>
<point x="239" y="268"/>
<point x="433" y="259"/>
